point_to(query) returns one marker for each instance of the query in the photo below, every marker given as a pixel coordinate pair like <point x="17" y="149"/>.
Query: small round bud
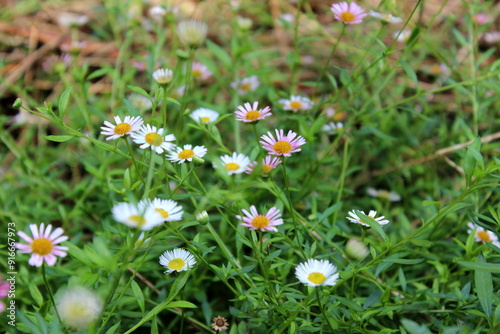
<point x="356" y="249"/>
<point x="197" y="161"/>
<point x="163" y="76"/>
<point x="17" y="103"/>
<point x="244" y="22"/>
<point x="203" y="218"/>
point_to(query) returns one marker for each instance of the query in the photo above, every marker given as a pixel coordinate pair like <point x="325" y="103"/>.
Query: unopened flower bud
<point x="197" y="161"/>
<point x="356" y="249"/>
<point x="203" y="218"/>
<point x="244" y="22"/>
<point x="17" y="103"/>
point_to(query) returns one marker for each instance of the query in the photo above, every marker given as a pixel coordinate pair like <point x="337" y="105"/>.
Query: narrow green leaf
<point x="484" y="287"/>
<point x="178" y="285"/>
<point x="471" y="159"/>
<point x="113" y="328"/>
<point x="99" y="73"/>
<point x="181" y="304"/>
<point x="138" y="295"/>
<point x="219" y="53"/>
<point x="139" y="90"/>
<point x="36" y="294"/>
<point x="489" y="267"/>
<point x="59" y="139"/>
<point x="373" y="224"/>
<point x="63" y="102"/>
<point x="404" y="261"/>
<point x="422" y="242"/>
<point x="414" y="328"/>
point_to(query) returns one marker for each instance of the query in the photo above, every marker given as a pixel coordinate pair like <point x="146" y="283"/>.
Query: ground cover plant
<point x="250" y="167"/>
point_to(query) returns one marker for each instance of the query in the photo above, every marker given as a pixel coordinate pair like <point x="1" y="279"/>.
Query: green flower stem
<point x="342" y="173"/>
<point x="254" y="127"/>
<point x="295" y="51"/>
<point x="189" y="71"/>
<point x="117" y="276"/>
<point x="182" y="181"/>
<point x="330" y="57"/>
<point x="164" y="106"/>
<point x="51" y="296"/>
<point x="150" y="174"/>
<point x="323" y="312"/>
<point x="139" y="171"/>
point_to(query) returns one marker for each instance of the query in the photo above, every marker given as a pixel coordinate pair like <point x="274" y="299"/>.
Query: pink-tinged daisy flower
<point x="349" y="13"/>
<point x="255" y="221"/>
<point x="282" y="145"/>
<point x="245" y="85"/>
<point x="383" y="194"/>
<point x="149" y="136"/>
<point x="186" y="153"/>
<point x="251" y="113"/>
<point x="204" y="115"/>
<point x="402" y="36"/>
<point x="268" y="164"/>
<point x="128" y="126"/>
<point x="236" y="163"/>
<point x="4" y="292"/>
<point x="296" y="103"/>
<point x="355" y="219"/>
<point x="315" y="273"/>
<point x="482" y="235"/>
<point x="200" y="72"/>
<point x="43" y="244"/>
<point x="332" y="127"/>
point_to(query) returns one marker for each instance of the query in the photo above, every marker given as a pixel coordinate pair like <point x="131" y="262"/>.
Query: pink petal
<point x="57" y="232"/>
<point x="34" y="231"/>
<point x="50" y="259"/>
<point x="46" y="234"/>
<point x="35" y="260"/>
<point x="25" y="237"/>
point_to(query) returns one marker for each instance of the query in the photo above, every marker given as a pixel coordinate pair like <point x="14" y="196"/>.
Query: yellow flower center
<point x="484" y="236"/>
<point x="295" y="105"/>
<point x="77" y="310"/>
<point x="316" y="278"/>
<point x="260" y="222"/>
<point x="383" y="194"/>
<point x="266" y="169"/>
<point x="436" y="69"/>
<point x="176" y="264"/>
<point x="196" y="73"/>
<point x="162" y="212"/>
<point x="252" y="115"/>
<point x="154" y="139"/>
<point x="42" y="246"/>
<point x="139" y="220"/>
<point x="347" y="16"/>
<point x="340" y="116"/>
<point x="282" y="147"/>
<point x="122" y="128"/>
<point x="245" y="86"/>
<point x="186" y="154"/>
<point x="205" y="119"/>
<point x="232" y="166"/>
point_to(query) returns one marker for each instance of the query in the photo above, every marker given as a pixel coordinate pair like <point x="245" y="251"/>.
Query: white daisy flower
<point x="296" y="103"/>
<point x="402" y="36"/>
<point x="482" y="235"/>
<point x="186" y="153"/>
<point x="235" y="164"/>
<point x="315" y="273"/>
<point x="245" y="85"/>
<point x="79" y="307"/>
<point x="204" y="115"/>
<point x="163" y="76"/>
<point x="332" y="127"/>
<point x="128" y="126"/>
<point x="168" y="210"/>
<point x="355" y="219"/>
<point x="139" y="101"/>
<point x="137" y="216"/>
<point x="177" y="260"/>
<point x="149" y="136"/>
<point x="389" y="18"/>
<point x="384" y="194"/>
